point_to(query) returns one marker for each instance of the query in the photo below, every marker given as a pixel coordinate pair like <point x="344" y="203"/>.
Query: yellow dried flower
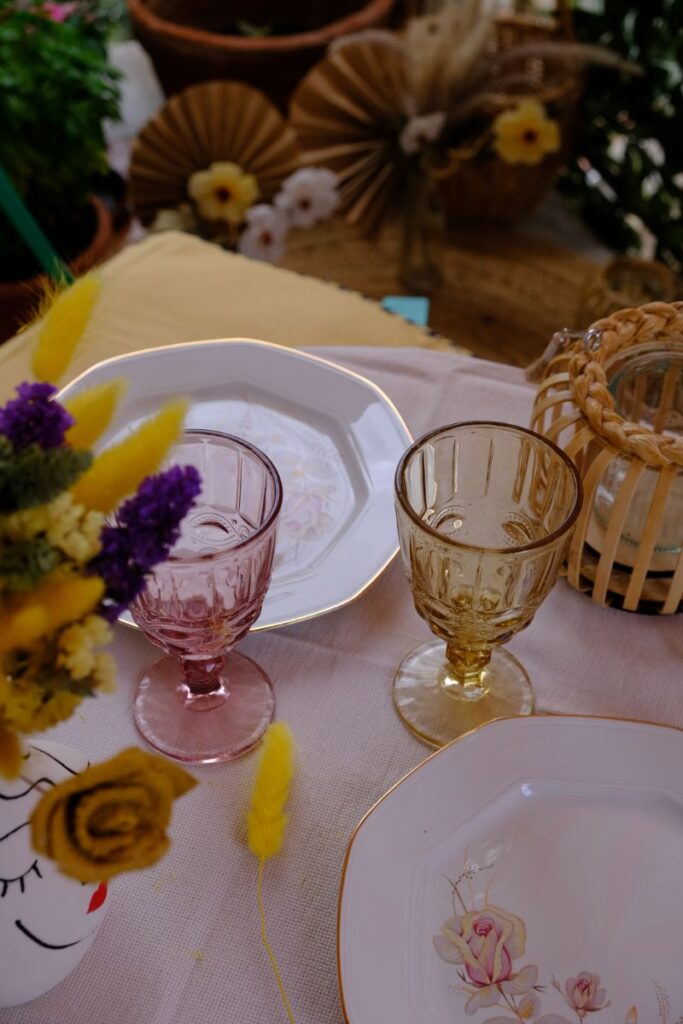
<point x="110" y="818"/>
<point x="26" y="706"/>
<point x="77" y="646"/>
<point x="71" y="528"/>
<point x="65" y="321"/>
<point x="526" y="134"/>
<point x="92" y="410"/>
<point x="74" y="529"/>
<point x="223" y="192"/>
<point x="120" y="469"/>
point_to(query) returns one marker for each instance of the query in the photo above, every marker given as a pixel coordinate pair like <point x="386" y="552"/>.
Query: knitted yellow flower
<point x="223" y="192"/>
<point x="110" y="818"/>
<point x="526" y="134"/>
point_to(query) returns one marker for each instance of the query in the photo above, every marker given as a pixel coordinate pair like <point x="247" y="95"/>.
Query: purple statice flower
<point x="34" y="418"/>
<point x="146" y="528"/>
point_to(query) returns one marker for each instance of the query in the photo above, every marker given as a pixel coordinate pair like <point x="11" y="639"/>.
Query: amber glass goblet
<point x="203" y="702"/>
<point x="485" y="513"/>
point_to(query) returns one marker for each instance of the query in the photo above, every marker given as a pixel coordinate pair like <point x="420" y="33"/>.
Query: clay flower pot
<point x="189" y="40"/>
<point x="19" y="298"/>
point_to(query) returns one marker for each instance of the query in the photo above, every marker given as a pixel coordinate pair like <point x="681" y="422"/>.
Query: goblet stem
<point x="203" y="687"/>
<point x="464" y="673"/>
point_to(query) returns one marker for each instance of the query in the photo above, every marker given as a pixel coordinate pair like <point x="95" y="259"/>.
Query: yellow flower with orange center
<point x="526" y="134"/>
<point x="223" y="192"/>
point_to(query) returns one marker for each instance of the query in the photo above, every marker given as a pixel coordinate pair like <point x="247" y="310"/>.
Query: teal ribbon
<point x="30" y="231"/>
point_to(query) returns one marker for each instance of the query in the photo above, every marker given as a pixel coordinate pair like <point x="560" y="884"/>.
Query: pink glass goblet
<point x="202" y="702"/>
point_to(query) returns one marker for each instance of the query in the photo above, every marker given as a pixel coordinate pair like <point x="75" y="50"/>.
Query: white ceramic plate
<point x="334" y="437"/>
<point x="531" y="871"/>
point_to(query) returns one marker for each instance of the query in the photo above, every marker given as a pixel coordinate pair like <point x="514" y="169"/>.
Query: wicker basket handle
<point x="657" y="321"/>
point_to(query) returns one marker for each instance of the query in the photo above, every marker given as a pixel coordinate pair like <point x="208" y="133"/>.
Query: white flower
<point x="419" y="131"/>
<point x="180" y="219"/>
<point x="308" y="195"/>
<point x="265" y="233"/>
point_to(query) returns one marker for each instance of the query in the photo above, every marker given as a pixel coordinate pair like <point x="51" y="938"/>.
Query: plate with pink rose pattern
<point x="532" y="872"/>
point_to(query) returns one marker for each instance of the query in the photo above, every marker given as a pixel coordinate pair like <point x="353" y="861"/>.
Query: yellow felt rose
<point x="110" y="818"/>
<point x="526" y="134"/>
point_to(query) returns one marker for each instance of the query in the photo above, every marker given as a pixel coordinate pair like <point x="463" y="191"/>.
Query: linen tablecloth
<point x="181" y="941"/>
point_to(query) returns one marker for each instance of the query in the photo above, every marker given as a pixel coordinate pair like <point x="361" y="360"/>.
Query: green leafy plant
<point x="56" y="89"/>
<point x="627" y="178"/>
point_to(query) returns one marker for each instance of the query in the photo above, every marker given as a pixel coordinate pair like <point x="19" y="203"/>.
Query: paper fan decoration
<point x="207" y="123"/>
<point x="348" y="113"/>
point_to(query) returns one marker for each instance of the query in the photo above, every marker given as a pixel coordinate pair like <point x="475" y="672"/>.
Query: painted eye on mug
<point x="20" y="880"/>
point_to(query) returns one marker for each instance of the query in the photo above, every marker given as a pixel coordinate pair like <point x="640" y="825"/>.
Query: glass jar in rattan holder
<point x="612" y="399"/>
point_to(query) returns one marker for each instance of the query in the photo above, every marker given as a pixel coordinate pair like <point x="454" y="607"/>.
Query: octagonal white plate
<point x="334" y="437"/>
<point x="531" y="871"/>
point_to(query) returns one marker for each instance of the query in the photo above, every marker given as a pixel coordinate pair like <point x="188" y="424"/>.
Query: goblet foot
<point x="437" y="709"/>
<point x="200" y="729"/>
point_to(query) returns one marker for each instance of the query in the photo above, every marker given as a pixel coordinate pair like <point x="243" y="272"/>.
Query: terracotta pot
<point x="47" y="921"/>
<point x="186" y="44"/>
<point x="18" y="298"/>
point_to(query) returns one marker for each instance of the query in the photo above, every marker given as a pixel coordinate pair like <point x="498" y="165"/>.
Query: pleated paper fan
<point x="348" y="113"/>
<point x="207" y="123"/>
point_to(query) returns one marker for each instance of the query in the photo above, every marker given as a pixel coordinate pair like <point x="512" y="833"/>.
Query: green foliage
<point x="56" y="88"/>
<point x="33" y="476"/>
<point x="627" y="178"/>
<point x="23" y="563"/>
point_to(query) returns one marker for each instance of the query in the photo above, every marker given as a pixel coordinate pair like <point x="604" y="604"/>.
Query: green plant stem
<point x="30" y="231"/>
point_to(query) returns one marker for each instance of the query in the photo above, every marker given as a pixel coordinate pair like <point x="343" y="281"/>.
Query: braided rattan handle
<point x="658" y="321"/>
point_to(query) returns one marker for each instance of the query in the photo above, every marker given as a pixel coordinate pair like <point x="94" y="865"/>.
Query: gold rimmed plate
<point x="530" y="871"/>
<point x="334" y="437"/>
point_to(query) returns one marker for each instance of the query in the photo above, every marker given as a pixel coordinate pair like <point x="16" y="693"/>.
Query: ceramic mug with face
<point x="47" y="921"/>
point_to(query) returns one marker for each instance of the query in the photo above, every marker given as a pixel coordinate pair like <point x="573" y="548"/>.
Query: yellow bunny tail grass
<point x="63" y="327"/>
<point x="121" y="469"/>
<point x="93" y="410"/>
<point x="10" y="753"/>
<point x="266" y="822"/>
<point x="54" y="603"/>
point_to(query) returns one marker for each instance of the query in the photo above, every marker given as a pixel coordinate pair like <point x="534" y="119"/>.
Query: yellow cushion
<point x="173" y="288"/>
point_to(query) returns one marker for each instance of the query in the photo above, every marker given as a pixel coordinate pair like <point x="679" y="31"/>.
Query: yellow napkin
<point x="173" y="287"/>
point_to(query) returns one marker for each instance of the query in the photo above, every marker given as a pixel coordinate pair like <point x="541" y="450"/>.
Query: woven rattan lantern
<point x="613" y="400"/>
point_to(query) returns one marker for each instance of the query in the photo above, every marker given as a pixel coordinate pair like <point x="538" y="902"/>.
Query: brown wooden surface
<point x="503" y="295"/>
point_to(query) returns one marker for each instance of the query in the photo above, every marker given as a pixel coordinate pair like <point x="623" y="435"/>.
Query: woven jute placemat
<point x="504" y="294"/>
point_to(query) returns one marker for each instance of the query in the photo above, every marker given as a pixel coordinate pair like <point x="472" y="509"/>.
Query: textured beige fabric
<point x="172" y="287"/>
<point x="332" y="679"/>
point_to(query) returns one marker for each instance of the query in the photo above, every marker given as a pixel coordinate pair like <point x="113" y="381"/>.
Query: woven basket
<point x="627" y="550"/>
<point x="484" y="187"/>
<point x="626" y="282"/>
<point x="187" y="41"/>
